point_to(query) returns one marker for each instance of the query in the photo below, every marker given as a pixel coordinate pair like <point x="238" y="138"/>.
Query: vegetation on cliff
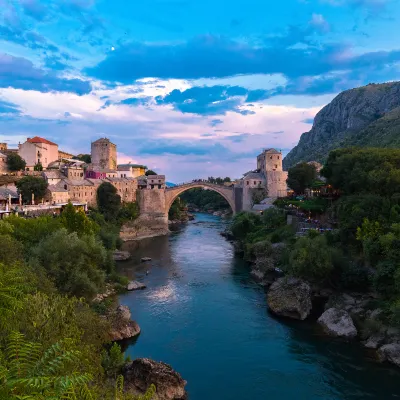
<point x="204" y="199"/>
<point x="367" y="117"/>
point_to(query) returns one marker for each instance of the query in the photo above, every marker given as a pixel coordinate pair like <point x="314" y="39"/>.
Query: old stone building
<point x="131" y="170"/>
<point x="3" y="163"/>
<point x="104" y="155"/>
<point x="38" y="150"/>
<point x="156" y="182"/>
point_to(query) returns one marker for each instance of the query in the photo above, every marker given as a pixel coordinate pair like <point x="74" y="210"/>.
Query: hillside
<point x="368" y="116"/>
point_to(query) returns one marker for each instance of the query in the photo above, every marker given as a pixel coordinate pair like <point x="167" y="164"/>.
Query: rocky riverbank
<point x="350" y="316"/>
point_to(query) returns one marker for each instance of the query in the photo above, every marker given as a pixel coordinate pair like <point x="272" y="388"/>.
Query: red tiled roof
<point x="38" y="139"/>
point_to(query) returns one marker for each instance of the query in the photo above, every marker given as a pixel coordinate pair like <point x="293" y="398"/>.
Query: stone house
<point x="104" y="155"/>
<point x="38" y="150"/>
<point x="131" y="170"/>
<point x="3" y="163"/>
<point x="156" y="182"/>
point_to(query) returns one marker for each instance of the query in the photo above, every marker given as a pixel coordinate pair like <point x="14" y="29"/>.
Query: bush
<point x="383" y="280"/>
<point x="354" y="277"/>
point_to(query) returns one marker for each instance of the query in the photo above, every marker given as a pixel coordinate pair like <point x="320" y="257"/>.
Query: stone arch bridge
<point x="154" y="205"/>
<point x="228" y="193"/>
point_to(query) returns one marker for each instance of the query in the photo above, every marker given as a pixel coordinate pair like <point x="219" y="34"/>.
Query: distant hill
<point x="170" y="184"/>
<point x="368" y="116"/>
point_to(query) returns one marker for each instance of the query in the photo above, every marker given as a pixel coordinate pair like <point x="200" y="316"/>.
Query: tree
<point x="150" y="172"/>
<point x="86" y="158"/>
<point x="15" y="162"/>
<point x="258" y="195"/>
<point x="301" y="177"/>
<point x="29" y="185"/>
<point x="38" y="167"/>
<point x="83" y="274"/>
<point x="108" y="201"/>
<point x="77" y="221"/>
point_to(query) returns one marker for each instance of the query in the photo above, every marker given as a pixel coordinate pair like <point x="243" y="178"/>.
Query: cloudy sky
<point x="191" y="88"/>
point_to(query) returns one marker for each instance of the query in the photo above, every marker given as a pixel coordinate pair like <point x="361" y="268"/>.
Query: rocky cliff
<point x="368" y="116"/>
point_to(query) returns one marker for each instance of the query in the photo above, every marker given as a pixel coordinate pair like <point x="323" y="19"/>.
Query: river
<point x="203" y="314"/>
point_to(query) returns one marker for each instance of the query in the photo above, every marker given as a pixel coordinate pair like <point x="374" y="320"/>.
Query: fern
<point x="27" y="373"/>
<point x="121" y="395"/>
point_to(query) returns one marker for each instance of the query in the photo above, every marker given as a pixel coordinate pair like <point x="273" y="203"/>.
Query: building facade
<point x="104" y="155"/>
<point x="156" y="182"/>
<point x="131" y="170"/>
<point x="37" y="150"/>
<point x="3" y="163"/>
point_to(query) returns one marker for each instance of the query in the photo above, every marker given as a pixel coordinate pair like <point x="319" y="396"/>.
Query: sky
<point x="190" y="88"/>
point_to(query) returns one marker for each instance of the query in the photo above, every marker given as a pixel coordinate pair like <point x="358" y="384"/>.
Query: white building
<point x="37" y="150"/>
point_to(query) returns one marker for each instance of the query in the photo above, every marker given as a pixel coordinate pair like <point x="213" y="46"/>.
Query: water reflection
<point x="202" y="313"/>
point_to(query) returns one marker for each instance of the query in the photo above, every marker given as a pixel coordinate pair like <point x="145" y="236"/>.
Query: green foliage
<point x="301" y="177"/>
<point x="32" y="184"/>
<point x="38" y="167"/>
<point x="113" y="360"/>
<point x="176" y="210"/>
<point x="364" y="170"/>
<point x="311" y="259"/>
<point x="258" y="195"/>
<point x="244" y="223"/>
<point x="77" y="221"/>
<point x="29" y="371"/>
<point x="204" y="199"/>
<point x="10" y="250"/>
<point x="316" y="204"/>
<point x="150" y="172"/>
<point x="121" y="395"/>
<point x="86" y="158"/>
<point x="128" y="212"/>
<point x="80" y="275"/>
<point x="218" y="181"/>
<point x="15" y="162"/>
<point x="108" y="201"/>
<point x="12" y="289"/>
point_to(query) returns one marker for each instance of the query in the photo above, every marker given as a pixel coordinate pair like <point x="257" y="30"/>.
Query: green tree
<point x="244" y="223"/>
<point x="38" y="167"/>
<point x="113" y="360"/>
<point x="32" y="184"/>
<point x="311" y="259"/>
<point x="82" y="274"/>
<point x="77" y="221"/>
<point x="301" y="177"/>
<point x="150" y="172"/>
<point x="108" y="201"/>
<point x="86" y="158"/>
<point x="15" y="162"/>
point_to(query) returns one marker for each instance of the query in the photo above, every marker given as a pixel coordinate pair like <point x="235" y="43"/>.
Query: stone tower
<point x="269" y="163"/>
<point x="104" y="155"/>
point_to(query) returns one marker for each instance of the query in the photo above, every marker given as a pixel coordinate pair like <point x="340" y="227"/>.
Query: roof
<point x="53" y="174"/>
<point x="129" y="165"/>
<point x="103" y="140"/>
<point x="38" y="139"/>
<point x="254" y="175"/>
<point x="2" y="155"/>
<point x="57" y="188"/>
<point x="273" y="151"/>
<point x="80" y="182"/>
<point x="6" y="191"/>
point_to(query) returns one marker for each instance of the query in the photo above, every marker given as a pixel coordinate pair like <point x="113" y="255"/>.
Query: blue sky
<point x="191" y="88"/>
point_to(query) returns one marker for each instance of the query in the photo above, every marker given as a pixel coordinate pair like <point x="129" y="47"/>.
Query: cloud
<point x="35" y="9"/>
<point x="318" y="21"/>
<point x="20" y="73"/>
<point x="9" y="108"/>
<point x="200" y="148"/>
<point x="213" y="100"/>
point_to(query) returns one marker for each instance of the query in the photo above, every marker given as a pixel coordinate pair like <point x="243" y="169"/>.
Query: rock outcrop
<point x="365" y="116"/>
<point x="338" y="323"/>
<point x="142" y="372"/>
<point x="119" y="255"/>
<point x="122" y="327"/>
<point x="290" y="297"/>
<point x="391" y="353"/>
<point x="135" y="285"/>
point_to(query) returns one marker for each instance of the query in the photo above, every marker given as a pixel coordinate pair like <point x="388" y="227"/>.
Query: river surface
<point x="203" y="314"/>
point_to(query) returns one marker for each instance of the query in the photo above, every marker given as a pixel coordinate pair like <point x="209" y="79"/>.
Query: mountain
<point x="368" y="116"/>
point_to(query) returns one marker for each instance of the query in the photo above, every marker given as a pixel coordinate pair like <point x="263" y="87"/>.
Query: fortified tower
<point x="269" y="162"/>
<point x="104" y="155"/>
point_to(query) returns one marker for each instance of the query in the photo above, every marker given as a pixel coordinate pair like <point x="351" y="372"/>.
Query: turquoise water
<point x="203" y="314"/>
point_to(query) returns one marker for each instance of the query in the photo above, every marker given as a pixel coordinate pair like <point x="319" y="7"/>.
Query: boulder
<point x="390" y="352"/>
<point x="290" y="297"/>
<point x="144" y="259"/>
<point x="374" y="341"/>
<point x="338" y="323"/>
<point x="119" y="255"/>
<point x="135" y="285"/>
<point x="142" y="372"/>
<point x="122" y="327"/>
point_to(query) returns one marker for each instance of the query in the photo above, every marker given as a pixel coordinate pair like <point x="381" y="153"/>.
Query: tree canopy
<point x="301" y="177"/>
<point x="15" y="162"/>
<point x="32" y="184"/>
<point x="108" y="201"/>
<point x="150" y="172"/>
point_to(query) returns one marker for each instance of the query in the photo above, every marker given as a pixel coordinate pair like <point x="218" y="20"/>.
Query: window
<point x="270" y="157"/>
<point x="247" y="182"/>
<point x="276" y="165"/>
<point x="255" y="182"/>
<point x="159" y="180"/>
<point x="278" y="157"/>
<point x="65" y="187"/>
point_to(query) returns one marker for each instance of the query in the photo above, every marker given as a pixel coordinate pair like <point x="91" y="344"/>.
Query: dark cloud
<point x="20" y="73"/>
<point x="216" y="122"/>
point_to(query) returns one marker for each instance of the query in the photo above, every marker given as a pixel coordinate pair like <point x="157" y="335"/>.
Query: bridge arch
<point x="226" y="192"/>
